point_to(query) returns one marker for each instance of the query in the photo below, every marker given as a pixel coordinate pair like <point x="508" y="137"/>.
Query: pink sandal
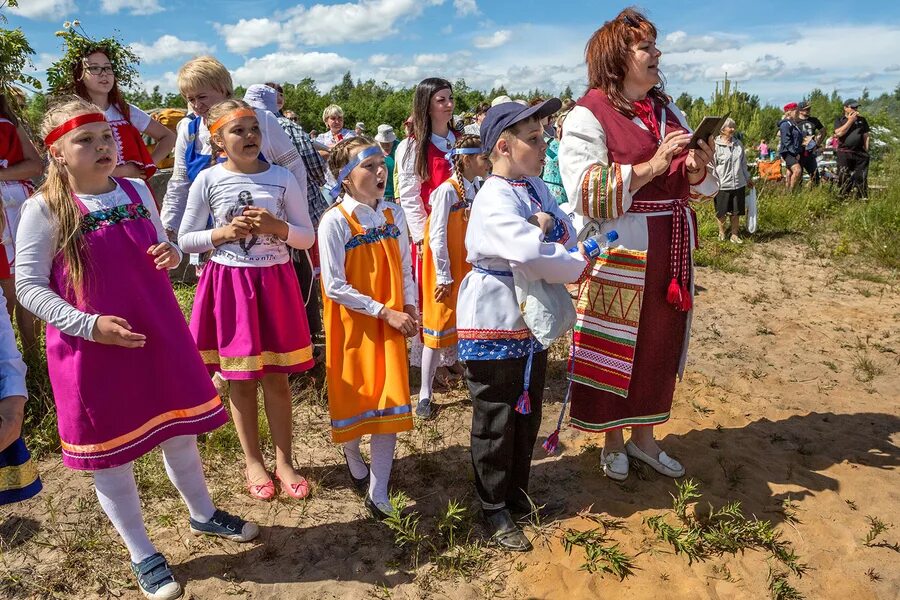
<point x="298" y="491"/>
<point x="265" y="491"/>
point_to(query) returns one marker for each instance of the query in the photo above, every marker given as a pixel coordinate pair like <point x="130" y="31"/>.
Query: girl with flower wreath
<point x="93" y="70"/>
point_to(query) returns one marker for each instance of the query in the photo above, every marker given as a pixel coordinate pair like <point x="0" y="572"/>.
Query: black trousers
<point x="809" y="164"/>
<point x="502" y="439"/>
<point x="309" y="285"/>
<point x="853" y="173"/>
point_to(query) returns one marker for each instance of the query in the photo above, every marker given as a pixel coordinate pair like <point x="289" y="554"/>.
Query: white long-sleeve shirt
<point x="223" y="195"/>
<point x="410" y="186"/>
<point x="334" y="233"/>
<point x="276" y="147"/>
<point x="12" y="369"/>
<point x="442" y="199"/>
<point x="36" y="240"/>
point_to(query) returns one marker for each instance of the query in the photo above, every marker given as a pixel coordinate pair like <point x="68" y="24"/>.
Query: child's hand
<point x="543" y="220"/>
<point x="401" y="321"/>
<point x="12" y="413"/>
<point x="441" y="291"/>
<point x="411" y="310"/>
<point x="166" y="255"/>
<point x="116" y="331"/>
<point x="265" y="222"/>
<point x="238" y="229"/>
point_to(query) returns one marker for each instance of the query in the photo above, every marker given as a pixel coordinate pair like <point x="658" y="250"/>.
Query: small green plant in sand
<point x="599" y="555"/>
<point x="721" y="531"/>
<point x="876" y="528"/>
<point x="780" y="588"/>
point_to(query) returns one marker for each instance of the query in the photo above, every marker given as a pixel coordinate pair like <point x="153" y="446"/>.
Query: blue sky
<point x="776" y="50"/>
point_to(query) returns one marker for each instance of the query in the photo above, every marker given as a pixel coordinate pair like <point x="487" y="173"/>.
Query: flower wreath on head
<point x="78" y="47"/>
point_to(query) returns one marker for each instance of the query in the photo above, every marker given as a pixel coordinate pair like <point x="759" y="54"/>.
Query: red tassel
<point x="686" y="300"/>
<point x="673" y="296"/>
<point x="523" y="406"/>
<point x="551" y="442"/>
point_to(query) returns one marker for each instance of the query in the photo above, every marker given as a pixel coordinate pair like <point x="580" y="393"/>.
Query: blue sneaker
<point x="424" y="408"/>
<point x="155" y="578"/>
<point x="226" y="526"/>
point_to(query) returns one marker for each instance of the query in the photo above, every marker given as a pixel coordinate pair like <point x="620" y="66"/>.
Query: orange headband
<point x="228" y="118"/>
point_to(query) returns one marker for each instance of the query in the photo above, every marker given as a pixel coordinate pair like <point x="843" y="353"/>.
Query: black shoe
<point x="360" y="485"/>
<point x="505" y="532"/>
<point x="521" y="507"/>
<point x="377" y="513"/>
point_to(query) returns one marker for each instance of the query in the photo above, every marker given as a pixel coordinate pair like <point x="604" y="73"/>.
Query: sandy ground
<point x="792" y="392"/>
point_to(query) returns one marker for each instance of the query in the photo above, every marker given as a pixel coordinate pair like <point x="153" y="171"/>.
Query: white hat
<point x="361" y="126"/>
<point x="385" y="134"/>
<point x="500" y="100"/>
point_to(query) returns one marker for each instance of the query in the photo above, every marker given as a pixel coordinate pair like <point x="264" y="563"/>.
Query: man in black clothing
<point x="813" y="134"/>
<point x="852" y="132"/>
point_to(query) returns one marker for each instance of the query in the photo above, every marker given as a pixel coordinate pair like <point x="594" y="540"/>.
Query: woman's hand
<point x="265" y="222"/>
<point x="404" y="322"/>
<point x="543" y="220"/>
<point x="166" y="255"/>
<point x="441" y="291"/>
<point x="115" y="331"/>
<point x="672" y="144"/>
<point x="239" y="228"/>
<point x="12" y="413"/>
<point x="698" y="158"/>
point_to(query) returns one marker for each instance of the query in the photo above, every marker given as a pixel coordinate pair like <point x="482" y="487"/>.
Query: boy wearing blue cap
<point x="515" y="226"/>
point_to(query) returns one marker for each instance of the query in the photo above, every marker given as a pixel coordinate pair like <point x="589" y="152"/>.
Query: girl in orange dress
<point x="444" y="255"/>
<point x="369" y="311"/>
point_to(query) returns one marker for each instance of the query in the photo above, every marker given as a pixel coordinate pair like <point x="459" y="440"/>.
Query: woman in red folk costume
<point x="626" y="165"/>
<point x="422" y="165"/>
<point x="93" y="70"/>
<point x="19" y="163"/>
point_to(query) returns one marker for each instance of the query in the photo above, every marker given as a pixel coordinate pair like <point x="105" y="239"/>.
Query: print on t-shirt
<point x="228" y="201"/>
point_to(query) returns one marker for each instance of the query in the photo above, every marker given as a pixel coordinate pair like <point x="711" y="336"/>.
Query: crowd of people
<point x="449" y="249"/>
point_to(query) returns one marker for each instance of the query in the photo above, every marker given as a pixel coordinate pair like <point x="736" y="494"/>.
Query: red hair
<point x="607" y="55"/>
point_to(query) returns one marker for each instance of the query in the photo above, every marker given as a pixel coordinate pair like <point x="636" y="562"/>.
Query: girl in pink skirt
<point x="125" y="373"/>
<point x="249" y="320"/>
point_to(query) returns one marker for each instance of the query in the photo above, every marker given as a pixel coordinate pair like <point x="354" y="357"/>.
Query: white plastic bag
<point x="751" y="210"/>
<point x="546" y="308"/>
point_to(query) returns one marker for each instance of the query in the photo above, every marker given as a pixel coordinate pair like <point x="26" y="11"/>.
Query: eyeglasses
<point x="108" y="70"/>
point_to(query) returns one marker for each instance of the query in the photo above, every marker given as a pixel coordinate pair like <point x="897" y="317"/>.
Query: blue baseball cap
<point x="503" y="116"/>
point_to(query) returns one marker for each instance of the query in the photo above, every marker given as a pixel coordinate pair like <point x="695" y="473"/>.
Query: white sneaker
<point x="736" y="239"/>
<point x="615" y="465"/>
<point x="663" y="464"/>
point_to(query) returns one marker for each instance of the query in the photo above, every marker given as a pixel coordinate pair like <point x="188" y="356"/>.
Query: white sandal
<point x="664" y="464"/>
<point x="615" y="465"/>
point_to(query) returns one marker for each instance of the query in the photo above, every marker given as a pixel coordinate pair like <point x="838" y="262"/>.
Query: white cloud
<point x="168" y="47"/>
<point x="319" y="24"/>
<point x="167" y="82"/>
<point x="496" y="39"/>
<point x="465" y="7"/>
<point x="45" y="9"/>
<point x="327" y="68"/>
<point x="430" y="60"/>
<point x="135" y="7"/>
<point x="447" y="29"/>
<point x="892" y="68"/>
<point x="679" y="41"/>
<point x="378" y="59"/>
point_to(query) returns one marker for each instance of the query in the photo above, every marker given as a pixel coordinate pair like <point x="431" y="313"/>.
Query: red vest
<point x="10" y="144"/>
<point x="629" y="144"/>
<point x="439" y="171"/>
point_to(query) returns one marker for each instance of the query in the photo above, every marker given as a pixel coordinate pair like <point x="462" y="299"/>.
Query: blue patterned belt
<point x="493" y="272"/>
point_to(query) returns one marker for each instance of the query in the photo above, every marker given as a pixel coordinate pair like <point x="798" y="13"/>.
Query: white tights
<point x="381" y="447"/>
<point x="430" y="362"/>
<point x="118" y="494"/>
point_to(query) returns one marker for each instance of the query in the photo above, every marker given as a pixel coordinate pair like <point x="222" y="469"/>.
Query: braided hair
<point x="465" y="141"/>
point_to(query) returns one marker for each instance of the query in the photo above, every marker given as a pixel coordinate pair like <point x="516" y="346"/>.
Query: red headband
<point x="73" y="123"/>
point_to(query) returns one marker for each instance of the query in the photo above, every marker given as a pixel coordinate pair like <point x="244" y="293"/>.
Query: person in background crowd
<point x="852" y="133"/>
<point x="790" y="144"/>
<point x="333" y="117"/>
<point x="279" y="98"/>
<point x="551" y="175"/>
<point x="474" y="128"/>
<point x="763" y="149"/>
<point x="734" y="178"/>
<point x="500" y="100"/>
<point x="293" y="118"/>
<point x="360" y="128"/>
<point x="813" y="135"/>
<point x="313" y="134"/>
<point x="387" y="141"/>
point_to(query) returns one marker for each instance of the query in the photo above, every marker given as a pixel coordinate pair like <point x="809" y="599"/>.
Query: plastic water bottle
<point x="593" y="247"/>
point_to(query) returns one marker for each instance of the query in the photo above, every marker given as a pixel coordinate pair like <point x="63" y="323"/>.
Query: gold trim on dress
<point x="258" y="362"/>
<point x="16" y="477"/>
